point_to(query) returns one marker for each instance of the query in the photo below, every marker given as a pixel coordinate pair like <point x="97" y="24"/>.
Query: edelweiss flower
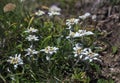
<point x="53" y="13"/>
<point x="50" y="50"/>
<point x="72" y="21"/>
<point x="54" y="8"/>
<point x="84" y="32"/>
<point x="47" y="57"/>
<point x="73" y="35"/>
<point x="15" y="60"/>
<point x="86" y="15"/>
<point x="39" y="13"/>
<point x="30" y="51"/>
<point x="78" y="50"/>
<point x="31" y="30"/>
<point x="80" y="33"/>
<point x="89" y="55"/>
<point x="32" y="38"/>
<point x="94" y="17"/>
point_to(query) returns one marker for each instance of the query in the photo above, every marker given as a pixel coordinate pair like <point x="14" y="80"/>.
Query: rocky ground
<point x="109" y="22"/>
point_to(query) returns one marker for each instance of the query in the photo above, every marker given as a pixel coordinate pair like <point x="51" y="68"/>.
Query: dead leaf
<point x="9" y="7"/>
<point x="44" y="7"/>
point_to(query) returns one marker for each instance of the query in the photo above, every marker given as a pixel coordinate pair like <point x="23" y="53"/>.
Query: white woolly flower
<point x="84" y="32"/>
<point x="29" y="30"/>
<point x="39" y="13"/>
<point x="72" y="21"/>
<point x="89" y="55"/>
<point x="94" y="17"/>
<point x="47" y="57"/>
<point x="78" y="50"/>
<point x="73" y="35"/>
<point x="50" y="50"/>
<point x="32" y="38"/>
<point x="15" y="60"/>
<point x="53" y="13"/>
<point x="54" y="8"/>
<point x="80" y="33"/>
<point x="30" y="51"/>
<point x="86" y="15"/>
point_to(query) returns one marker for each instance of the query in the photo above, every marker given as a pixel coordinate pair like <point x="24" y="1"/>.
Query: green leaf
<point x="105" y="81"/>
<point x="45" y="42"/>
<point x="114" y="49"/>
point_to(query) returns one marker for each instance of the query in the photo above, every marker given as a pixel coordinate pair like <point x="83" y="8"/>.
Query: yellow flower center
<point x="72" y="20"/>
<point x="79" y="51"/>
<point x="90" y="54"/>
<point x="72" y="34"/>
<point x="14" y="61"/>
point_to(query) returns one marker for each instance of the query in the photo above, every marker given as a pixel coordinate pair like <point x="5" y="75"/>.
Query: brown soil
<point x="109" y="21"/>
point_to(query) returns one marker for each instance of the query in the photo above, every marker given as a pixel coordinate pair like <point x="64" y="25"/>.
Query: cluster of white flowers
<point x="85" y="54"/>
<point x="70" y="22"/>
<point x="78" y="49"/>
<point x="73" y="34"/>
<point x="16" y="60"/>
<point x="39" y="13"/>
<point x="53" y="13"/>
<point x="49" y="50"/>
<point x="80" y="33"/>
<point x="89" y="55"/>
<point x="86" y="15"/>
<point x="84" y="32"/>
<point x="30" y="51"/>
<point x="32" y="38"/>
<point x="54" y="10"/>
